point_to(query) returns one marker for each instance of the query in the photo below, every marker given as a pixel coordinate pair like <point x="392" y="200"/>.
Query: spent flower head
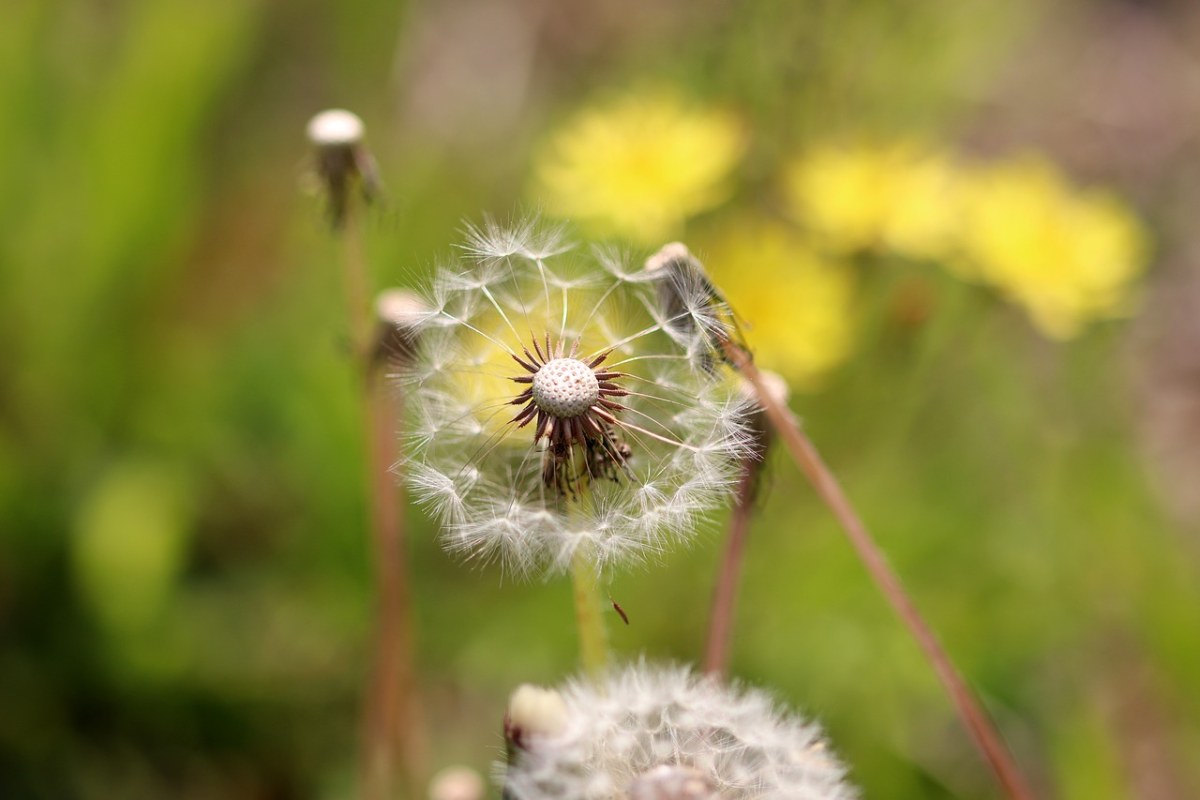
<point x="640" y="165"/>
<point x="559" y="413"/>
<point x="342" y="160"/>
<point x="655" y="732"/>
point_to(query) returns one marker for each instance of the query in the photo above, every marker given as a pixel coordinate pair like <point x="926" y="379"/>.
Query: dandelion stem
<point x="720" y="630"/>
<point x="355" y="275"/>
<point x="593" y="641"/>
<point x="982" y="730"/>
<point x="392" y="743"/>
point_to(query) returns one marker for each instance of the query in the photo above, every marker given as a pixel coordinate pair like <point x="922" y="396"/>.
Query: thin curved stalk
<point x="720" y="626"/>
<point x="982" y="730"/>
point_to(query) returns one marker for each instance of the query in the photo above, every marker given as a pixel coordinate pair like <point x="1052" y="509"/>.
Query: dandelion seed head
<point x="548" y="388"/>
<point x="650" y="732"/>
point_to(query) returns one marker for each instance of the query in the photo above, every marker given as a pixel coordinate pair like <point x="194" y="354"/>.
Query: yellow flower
<point x="797" y="306"/>
<point x="899" y="197"/>
<point x="639" y="166"/>
<point x="1066" y="257"/>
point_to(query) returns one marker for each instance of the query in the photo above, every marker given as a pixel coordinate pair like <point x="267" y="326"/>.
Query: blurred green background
<point x="185" y="591"/>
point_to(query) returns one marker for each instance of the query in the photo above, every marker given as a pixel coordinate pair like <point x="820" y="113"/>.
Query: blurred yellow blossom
<point x="1017" y="226"/>
<point x="798" y="307"/>
<point x="899" y="196"/>
<point x="639" y="166"/>
<point x="1068" y="257"/>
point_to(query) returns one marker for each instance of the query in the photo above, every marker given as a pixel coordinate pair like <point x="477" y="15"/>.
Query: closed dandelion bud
<point x="342" y="160"/>
<point x="542" y="376"/>
<point x="401" y="314"/>
<point x="653" y="733"/>
<point x="762" y="433"/>
<point x="672" y="782"/>
<point x="533" y="713"/>
<point x="336" y="129"/>
<point x="457" y="783"/>
<point x="759" y="426"/>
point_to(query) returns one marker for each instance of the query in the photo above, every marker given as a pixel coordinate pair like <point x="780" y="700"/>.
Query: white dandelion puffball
<point x="557" y="413"/>
<point x="647" y="731"/>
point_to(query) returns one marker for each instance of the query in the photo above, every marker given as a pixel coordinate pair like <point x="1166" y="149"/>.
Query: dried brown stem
<point x="392" y="730"/>
<point x="354" y="272"/>
<point x="982" y="730"/>
<point x="720" y="630"/>
<point x="392" y="701"/>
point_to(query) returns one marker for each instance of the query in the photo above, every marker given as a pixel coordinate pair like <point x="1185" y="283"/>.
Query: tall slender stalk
<point x="982" y="730"/>
<point x="392" y="743"/>
<point x="720" y="630"/>
<point x="357" y="281"/>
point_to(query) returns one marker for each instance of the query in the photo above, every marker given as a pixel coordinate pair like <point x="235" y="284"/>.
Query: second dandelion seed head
<point x="649" y="732"/>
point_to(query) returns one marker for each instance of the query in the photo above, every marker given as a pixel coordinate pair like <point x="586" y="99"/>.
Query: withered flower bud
<point x="342" y="160"/>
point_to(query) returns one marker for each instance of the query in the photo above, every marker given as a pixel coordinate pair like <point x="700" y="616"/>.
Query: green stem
<point x="593" y="641"/>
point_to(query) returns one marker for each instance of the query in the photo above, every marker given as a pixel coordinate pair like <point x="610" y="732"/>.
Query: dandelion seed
<point x="544" y="376"/>
<point x="672" y="782"/>
<point x="694" y="310"/>
<point x="650" y="733"/>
